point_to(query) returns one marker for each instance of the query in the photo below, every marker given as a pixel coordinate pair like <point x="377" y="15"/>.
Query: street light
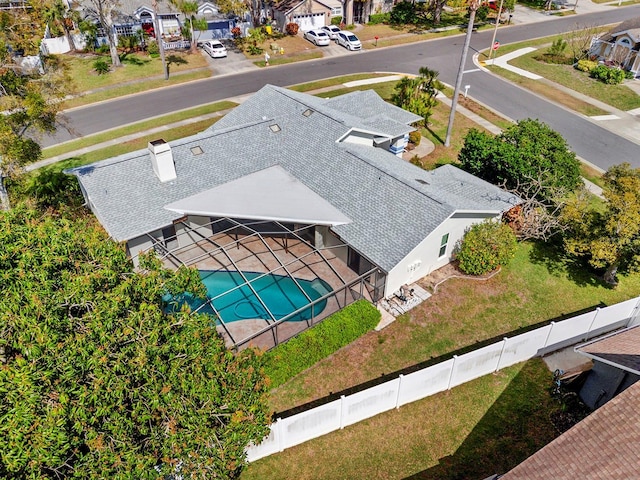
<point x="473" y="6"/>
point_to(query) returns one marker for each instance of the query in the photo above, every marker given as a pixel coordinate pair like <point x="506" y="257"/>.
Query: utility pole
<point x="473" y="6"/>
<point x="156" y="26"/>
<point x="495" y="31"/>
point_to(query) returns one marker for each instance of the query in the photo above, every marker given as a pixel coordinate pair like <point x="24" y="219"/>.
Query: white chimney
<point x="162" y="160"/>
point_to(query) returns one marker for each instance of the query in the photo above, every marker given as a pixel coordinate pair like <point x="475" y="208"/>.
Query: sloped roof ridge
<point x="393" y="175"/>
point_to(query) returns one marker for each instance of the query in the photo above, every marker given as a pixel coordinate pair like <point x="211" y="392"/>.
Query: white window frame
<point x="444" y="241"/>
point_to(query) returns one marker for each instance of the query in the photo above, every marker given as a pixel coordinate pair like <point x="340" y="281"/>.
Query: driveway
<point x="235" y="62"/>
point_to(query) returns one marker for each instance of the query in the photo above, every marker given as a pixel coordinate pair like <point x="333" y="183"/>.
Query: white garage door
<point x="310" y="21"/>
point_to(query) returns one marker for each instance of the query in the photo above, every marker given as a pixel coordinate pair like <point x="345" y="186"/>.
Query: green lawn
<point x="483" y="427"/>
<point x="537" y="286"/>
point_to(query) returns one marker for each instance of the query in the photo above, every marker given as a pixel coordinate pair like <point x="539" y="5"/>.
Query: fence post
<point x="279" y="434"/>
<point x="342" y="397"/>
<point x="504" y="343"/>
<point x="595" y="314"/>
<point x="453" y="367"/>
<point x="399" y="387"/>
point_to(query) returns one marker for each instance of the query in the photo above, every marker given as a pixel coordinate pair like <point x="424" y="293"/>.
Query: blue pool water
<point x="279" y="293"/>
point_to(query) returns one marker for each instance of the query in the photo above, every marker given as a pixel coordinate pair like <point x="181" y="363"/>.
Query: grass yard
<point x="136" y="75"/>
<point x="296" y="49"/>
<point x="618" y="96"/>
<point x="480" y="428"/>
<point x="535" y="287"/>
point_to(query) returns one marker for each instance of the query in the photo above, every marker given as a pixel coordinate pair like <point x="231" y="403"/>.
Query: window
<point x="336" y="11"/>
<point x="443" y="245"/>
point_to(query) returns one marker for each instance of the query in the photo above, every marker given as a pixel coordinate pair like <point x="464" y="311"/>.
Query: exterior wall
<point x="188" y="237"/>
<point x="306" y="8"/>
<point x="141" y="244"/>
<point x="424" y="258"/>
<point x="398" y="145"/>
<point x="330" y="240"/>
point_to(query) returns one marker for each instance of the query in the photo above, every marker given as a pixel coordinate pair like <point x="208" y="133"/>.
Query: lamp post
<point x="156" y="26"/>
<point x="473" y="6"/>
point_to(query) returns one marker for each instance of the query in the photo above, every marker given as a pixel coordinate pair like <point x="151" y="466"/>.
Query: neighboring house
<point x="605" y="445"/>
<point x="616" y="366"/>
<point x="620" y="46"/>
<point x="136" y="16"/>
<point x="328" y="170"/>
<point x="308" y="14"/>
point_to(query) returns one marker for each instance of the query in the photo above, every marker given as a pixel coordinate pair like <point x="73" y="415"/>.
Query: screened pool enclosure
<point x="267" y="280"/>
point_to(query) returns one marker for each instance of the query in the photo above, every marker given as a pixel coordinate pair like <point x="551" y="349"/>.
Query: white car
<point x="348" y="40"/>
<point x="215" y="48"/>
<point x="317" y="37"/>
<point x="331" y="30"/>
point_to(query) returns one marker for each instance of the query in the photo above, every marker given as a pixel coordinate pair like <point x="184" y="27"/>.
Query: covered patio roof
<point x="271" y="194"/>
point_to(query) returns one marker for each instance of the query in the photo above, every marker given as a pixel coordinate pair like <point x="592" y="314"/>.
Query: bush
<point x="376" y="18"/>
<point x="482" y="13"/>
<point x="557" y="47"/>
<point x="255" y="50"/>
<point x="403" y="13"/>
<point x="236" y="32"/>
<point x="101" y="66"/>
<point x="104" y="48"/>
<point x="301" y="352"/>
<point x="485" y="246"/>
<point x="292" y="28"/>
<point x="153" y="49"/>
<point x="608" y="75"/>
<point x="415" y="137"/>
<point x="336" y="20"/>
<point x="586" y="65"/>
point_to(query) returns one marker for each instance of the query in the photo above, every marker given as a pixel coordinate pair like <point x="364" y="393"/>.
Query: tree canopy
<point x="418" y="94"/>
<point x="96" y="380"/>
<point x="526" y="152"/>
<point x="608" y="238"/>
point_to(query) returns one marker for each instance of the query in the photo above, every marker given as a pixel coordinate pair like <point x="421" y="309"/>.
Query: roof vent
<point x="162" y="160"/>
<point x="424" y="182"/>
<point x="275" y="128"/>
<point x="197" y="150"/>
<point x="307" y="112"/>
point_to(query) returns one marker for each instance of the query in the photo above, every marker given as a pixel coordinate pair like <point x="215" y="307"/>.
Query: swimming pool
<point x="234" y="300"/>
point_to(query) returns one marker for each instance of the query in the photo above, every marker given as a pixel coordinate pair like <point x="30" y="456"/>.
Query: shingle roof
<point x="393" y="205"/>
<point x="632" y="26"/>
<point x="603" y="446"/>
<point x="621" y="349"/>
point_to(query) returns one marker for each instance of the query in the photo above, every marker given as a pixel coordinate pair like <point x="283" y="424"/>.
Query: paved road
<point x="590" y="141"/>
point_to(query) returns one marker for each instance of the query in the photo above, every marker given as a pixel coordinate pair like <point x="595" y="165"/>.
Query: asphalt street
<point x="593" y="143"/>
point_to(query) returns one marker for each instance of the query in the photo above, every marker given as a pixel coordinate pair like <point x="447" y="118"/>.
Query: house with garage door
<point x="291" y="207"/>
<point x="308" y="14"/>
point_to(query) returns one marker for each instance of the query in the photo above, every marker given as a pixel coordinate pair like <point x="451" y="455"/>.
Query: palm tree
<point x="189" y="10"/>
<point x="57" y="13"/>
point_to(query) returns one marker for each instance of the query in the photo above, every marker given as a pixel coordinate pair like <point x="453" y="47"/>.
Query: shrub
<point x="482" y="13"/>
<point x="301" y="352"/>
<point x="153" y="49"/>
<point x="101" y="66"/>
<point x="608" y="75"/>
<point x="255" y="50"/>
<point x="557" y="47"/>
<point x="236" y="32"/>
<point x="415" y="137"/>
<point x="586" y="65"/>
<point x="292" y="28"/>
<point x="336" y="20"/>
<point x="403" y="13"/>
<point x="104" y="48"/>
<point x="376" y="18"/>
<point x="485" y="246"/>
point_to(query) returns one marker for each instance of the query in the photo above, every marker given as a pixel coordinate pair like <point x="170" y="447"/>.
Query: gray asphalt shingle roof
<point x="391" y="211"/>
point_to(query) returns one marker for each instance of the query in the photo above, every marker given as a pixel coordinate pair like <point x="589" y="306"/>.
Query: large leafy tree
<point x="609" y="238"/>
<point x="418" y="94"/>
<point x="96" y="380"/>
<point x="28" y="98"/>
<point x="526" y="152"/>
<point x="104" y="11"/>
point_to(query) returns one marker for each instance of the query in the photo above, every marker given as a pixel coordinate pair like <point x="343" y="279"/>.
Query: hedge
<point x="306" y="349"/>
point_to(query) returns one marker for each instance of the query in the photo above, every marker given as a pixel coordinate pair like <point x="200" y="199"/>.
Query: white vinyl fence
<point x="405" y="389"/>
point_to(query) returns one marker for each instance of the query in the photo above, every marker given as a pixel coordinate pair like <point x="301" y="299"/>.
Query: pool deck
<point x="260" y="253"/>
